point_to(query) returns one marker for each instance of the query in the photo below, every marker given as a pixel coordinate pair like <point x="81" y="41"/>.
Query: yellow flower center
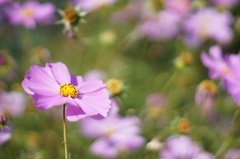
<point x="184" y="126"/>
<point x="108" y="132"/>
<point x="209" y="86"/>
<point x="68" y="90"/>
<point x="27" y="12"/>
<point x="114" y="86"/>
<point x="70" y="15"/>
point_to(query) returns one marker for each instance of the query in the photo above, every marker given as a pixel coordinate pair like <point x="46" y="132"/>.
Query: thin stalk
<point x="64" y="132"/>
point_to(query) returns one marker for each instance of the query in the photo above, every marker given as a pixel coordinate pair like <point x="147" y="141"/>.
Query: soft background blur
<point x="119" y="49"/>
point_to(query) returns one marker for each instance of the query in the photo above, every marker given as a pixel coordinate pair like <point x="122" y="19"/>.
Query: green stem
<point x="64" y="132"/>
<point x="170" y="81"/>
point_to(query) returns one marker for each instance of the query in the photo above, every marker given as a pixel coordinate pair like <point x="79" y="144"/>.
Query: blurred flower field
<point x="124" y="79"/>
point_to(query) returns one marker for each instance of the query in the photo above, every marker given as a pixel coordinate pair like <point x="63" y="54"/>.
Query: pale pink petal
<point x="104" y="147"/>
<point x="44" y="11"/>
<point x="90" y="86"/>
<point x="46" y="102"/>
<point x="39" y="78"/>
<point x="76" y="80"/>
<point x="60" y="72"/>
<point x="74" y="113"/>
<point x="216" y="52"/>
<point x="97" y="101"/>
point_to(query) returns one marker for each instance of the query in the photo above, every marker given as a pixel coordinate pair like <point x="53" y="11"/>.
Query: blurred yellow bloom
<point x="114" y="86"/>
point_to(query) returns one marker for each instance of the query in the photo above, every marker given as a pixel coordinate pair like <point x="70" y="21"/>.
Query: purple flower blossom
<point x="216" y="63"/>
<point x="183" y="147"/>
<point x="5" y="130"/>
<point x="208" y="23"/>
<point x="91" y="5"/>
<point x="111" y="136"/>
<point x="53" y="85"/>
<point x="12" y="103"/>
<point x="164" y="25"/>
<point x="30" y="13"/>
<point x="182" y="7"/>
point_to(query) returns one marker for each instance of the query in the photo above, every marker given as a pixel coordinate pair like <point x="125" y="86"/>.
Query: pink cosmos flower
<point x="91" y="5"/>
<point x="208" y="23"/>
<point x="180" y="146"/>
<point x="161" y="26"/>
<point x="12" y="103"/>
<point x="5" y="130"/>
<point x="112" y="137"/>
<point x="30" y="13"/>
<point x="216" y="63"/>
<point x="53" y="85"/>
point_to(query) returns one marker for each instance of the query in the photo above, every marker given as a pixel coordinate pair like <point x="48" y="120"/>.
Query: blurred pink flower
<point x="208" y="23"/>
<point x="53" y="85"/>
<point x="5" y="130"/>
<point x="155" y="100"/>
<point x="133" y="10"/>
<point x="91" y="5"/>
<point x="12" y="103"/>
<point x="161" y="26"/>
<point x="96" y="74"/>
<point x="30" y="13"/>
<point x="114" y="133"/>
<point x="216" y="63"/>
<point x="182" y="7"/>
<point x="232" y="154"/>
<point x="206" y="94"/>
<point x="231" y="82"/>
<point x="180" y="146"/>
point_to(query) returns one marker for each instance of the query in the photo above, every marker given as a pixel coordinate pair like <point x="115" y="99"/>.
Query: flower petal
<point x="60" y="72"/>
<point x="39" y="78"/>
<point x="100" y="146"/>
<point x="76" y="80"/>
<point x="75" y="113"/>
<point x="97" y="101"/>
<point x="46" y="102"/>
<point x="90" y="86"/>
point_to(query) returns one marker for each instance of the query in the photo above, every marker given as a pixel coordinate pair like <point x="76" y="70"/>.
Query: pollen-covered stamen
<point x="68" y="90"/>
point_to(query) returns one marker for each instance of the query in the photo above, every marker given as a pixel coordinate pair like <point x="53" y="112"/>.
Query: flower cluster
<point x="114" y="134"/>
<point x="169" y="19"/>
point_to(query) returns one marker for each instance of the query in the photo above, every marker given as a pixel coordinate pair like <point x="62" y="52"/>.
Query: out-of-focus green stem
<point x="65" y="132"/>
<point x="232" y="135"/>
